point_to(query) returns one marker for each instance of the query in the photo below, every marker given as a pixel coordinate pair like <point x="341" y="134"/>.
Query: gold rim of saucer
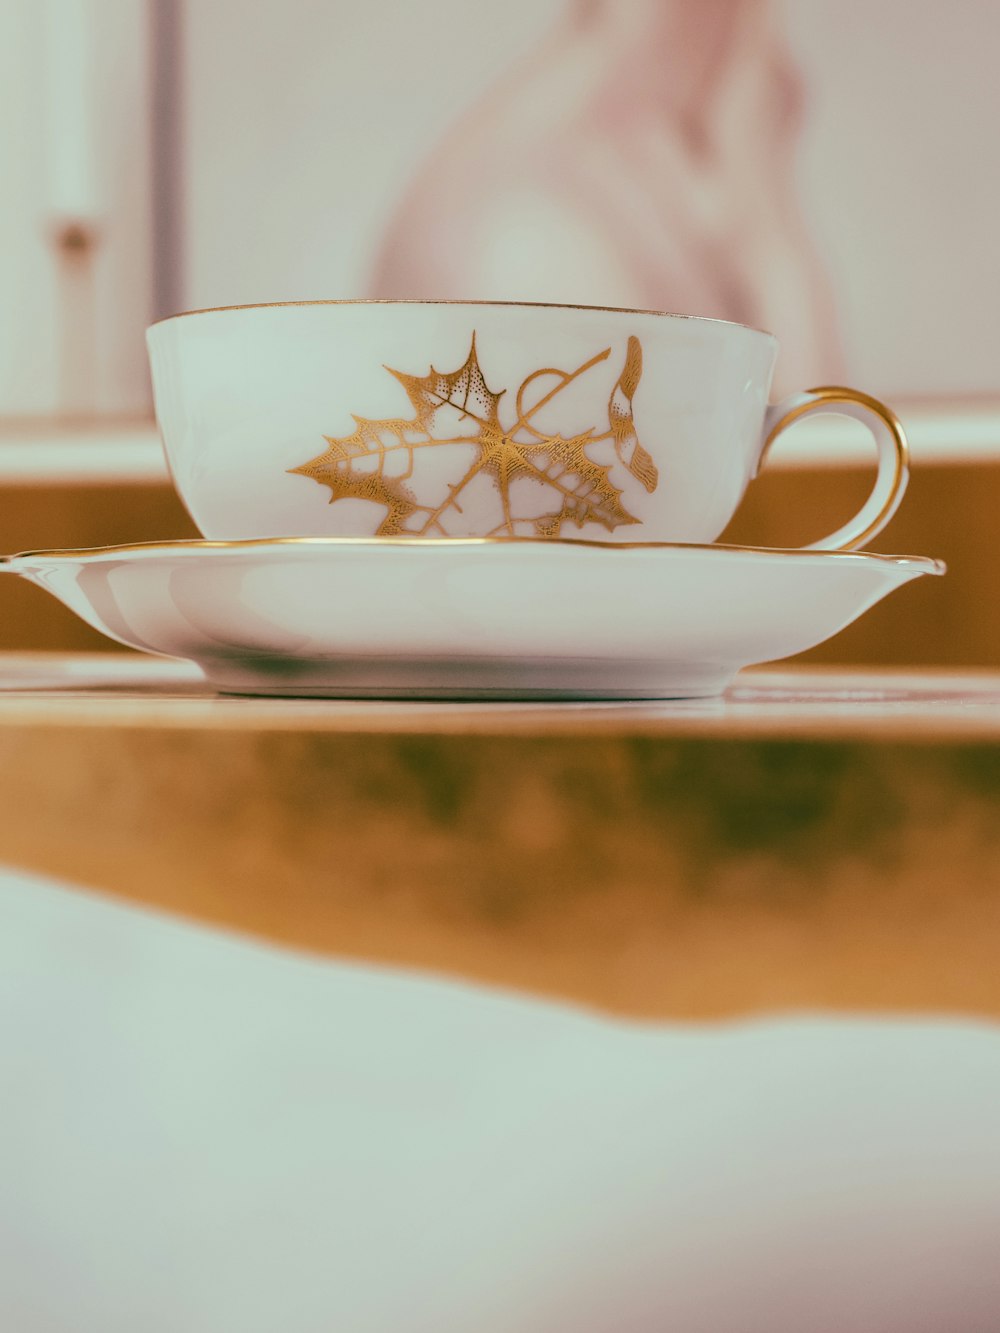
<point x="927" y="563"/>
<point x="523" y="305"/>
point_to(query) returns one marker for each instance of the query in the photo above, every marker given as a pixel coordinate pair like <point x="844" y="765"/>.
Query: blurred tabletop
<point x="817" y="839"/>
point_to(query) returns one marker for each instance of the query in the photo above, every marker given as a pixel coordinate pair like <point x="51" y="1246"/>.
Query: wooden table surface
<point x="817" y="839"/>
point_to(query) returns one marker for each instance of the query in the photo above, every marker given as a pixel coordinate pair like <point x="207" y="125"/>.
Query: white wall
<point x="305" y="117"/>
<point x="33" y="379"/>
<point x="303" y="121"/>
<point x="901" y="176"/>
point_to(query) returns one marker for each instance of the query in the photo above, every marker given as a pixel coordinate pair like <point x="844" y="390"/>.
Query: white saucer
<point x="467" y="619"/>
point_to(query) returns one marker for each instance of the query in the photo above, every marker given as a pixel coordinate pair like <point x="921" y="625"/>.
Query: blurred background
<point x="825" y="170"/>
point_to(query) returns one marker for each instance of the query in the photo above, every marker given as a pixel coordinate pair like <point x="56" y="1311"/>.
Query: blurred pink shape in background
<point x="642" y="155"/>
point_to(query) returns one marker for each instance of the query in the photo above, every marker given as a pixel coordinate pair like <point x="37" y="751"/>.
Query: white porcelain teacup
<point x="480" y="419"/>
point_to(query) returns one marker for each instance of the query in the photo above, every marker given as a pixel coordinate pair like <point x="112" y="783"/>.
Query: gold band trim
<point x="824" y="397"/>
<point x="927" y="564"/>
<point x="471" y="305"/>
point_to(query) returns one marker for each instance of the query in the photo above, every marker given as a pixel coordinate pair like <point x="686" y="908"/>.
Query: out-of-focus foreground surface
<point x="206" y="1134"/>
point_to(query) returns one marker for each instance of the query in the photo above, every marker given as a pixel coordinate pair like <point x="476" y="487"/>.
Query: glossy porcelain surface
<point x="456" y="619"/>
<point x="457" y="419"/>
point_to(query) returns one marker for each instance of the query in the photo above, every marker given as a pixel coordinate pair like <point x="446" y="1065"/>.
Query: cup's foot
<point x="555" y="679"/>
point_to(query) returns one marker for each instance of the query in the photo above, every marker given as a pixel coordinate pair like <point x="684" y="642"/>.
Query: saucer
<point x="467" y="619"/>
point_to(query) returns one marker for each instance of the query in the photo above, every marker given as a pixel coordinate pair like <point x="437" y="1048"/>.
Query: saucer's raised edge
<point x="921" y="564"/>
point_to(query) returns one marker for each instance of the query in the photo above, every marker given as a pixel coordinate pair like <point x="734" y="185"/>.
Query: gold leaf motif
<point x="459" y="408"/>
<point x="465" y="390"/>
<point x="639" y="462"/>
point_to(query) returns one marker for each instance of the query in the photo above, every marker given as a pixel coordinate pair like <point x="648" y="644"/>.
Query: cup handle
<point x="893" y="456"/>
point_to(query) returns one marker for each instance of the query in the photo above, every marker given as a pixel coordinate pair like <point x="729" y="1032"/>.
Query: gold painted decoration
<point x="565" y="484"/>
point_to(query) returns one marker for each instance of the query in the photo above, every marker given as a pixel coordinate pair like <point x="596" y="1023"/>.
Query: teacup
<point x="480" y="419"/>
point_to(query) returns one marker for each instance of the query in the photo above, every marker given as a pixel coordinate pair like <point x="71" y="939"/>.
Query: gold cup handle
<point x="893" y="457"/>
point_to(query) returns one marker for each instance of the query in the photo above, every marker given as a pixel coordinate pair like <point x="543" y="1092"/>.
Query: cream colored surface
<point x="205" y="1134"/>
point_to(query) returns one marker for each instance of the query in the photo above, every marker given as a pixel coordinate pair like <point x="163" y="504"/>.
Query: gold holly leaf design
<point x="377" y="459"/>
<point x="465" y="390"/>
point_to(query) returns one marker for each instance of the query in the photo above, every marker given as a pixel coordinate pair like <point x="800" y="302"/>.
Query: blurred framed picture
<point x="823" y="169"/>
